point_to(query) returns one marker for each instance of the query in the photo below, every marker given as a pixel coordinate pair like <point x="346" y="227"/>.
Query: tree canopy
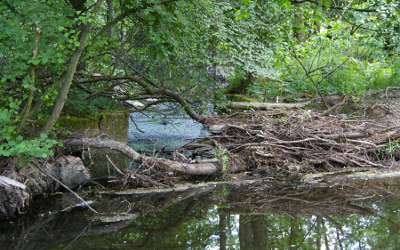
<point x="82" y="56"/>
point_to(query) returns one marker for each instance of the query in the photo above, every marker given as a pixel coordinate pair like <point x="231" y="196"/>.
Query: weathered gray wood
<point x="179" y="188"/>
<point x="266" y="106"/>
<point x="348" y="176"/>
<point x="178" y="167"/>
<point x="7" y="182"/>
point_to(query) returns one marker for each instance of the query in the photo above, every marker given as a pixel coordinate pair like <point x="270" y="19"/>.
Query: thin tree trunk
<point x="260" y="232"/>
<point x="110" y="17"/>
<point x="68" y="76"/>
<point x="28" y="106"/>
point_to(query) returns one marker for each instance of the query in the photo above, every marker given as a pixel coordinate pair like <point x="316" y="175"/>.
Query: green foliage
<point x="223" y="157"/>
<point x="392" y="148"/>
<point x="348" y="65"/>
<point x="265" y="49"/>
<point x="390" y="151"/>
<point x="78" y="105"/>
<point x="14" y="145"/>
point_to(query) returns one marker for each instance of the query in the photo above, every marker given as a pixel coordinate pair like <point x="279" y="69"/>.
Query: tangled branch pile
<point x="278" y="143"/>
<point x="304" y="141"/>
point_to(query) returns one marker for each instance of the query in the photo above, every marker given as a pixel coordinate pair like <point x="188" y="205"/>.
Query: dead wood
<point x="335" y="107"/>
<point x="265" y="105"/>
<point x="346" y="176"/>
<point x="303" y="141"/>
<point x="206" y="168"/>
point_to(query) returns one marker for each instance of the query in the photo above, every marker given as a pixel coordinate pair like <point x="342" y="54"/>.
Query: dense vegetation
<point x="85" y="56"/>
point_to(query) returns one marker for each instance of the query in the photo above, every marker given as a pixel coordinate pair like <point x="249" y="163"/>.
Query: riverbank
<point x="288" y="145"/>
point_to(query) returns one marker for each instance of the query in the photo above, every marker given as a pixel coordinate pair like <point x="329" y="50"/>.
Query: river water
<point x="212" y="218"/>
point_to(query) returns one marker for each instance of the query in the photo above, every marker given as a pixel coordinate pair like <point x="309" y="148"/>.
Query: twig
<point x="114" y="166"/>
<point x="334" y="107"/>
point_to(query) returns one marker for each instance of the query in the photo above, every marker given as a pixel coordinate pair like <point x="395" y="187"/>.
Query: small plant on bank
<point x="223" y="157"/>
<point x="392" y="148"/>
<point x="389" y="151"/>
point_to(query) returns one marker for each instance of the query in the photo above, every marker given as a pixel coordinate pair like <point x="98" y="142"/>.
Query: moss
<point x="114" y="124"/>
<point x="78" y="123"/>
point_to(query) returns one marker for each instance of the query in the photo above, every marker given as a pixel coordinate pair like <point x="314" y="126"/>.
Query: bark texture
<point x="18" y="189"/>
<point x="266" y="106"/>
<point x="69" y="74"/>
<point x="169" y="165"/>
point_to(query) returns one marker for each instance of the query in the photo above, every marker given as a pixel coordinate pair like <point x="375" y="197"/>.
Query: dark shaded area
<point x="222" y="216"/>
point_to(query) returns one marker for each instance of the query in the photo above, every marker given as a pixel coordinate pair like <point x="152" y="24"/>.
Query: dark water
<point x="216" y="218"/>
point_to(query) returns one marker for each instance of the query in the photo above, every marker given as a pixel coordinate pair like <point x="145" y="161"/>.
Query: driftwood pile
<point x="277" y="143"/>
<point x="305" y="141"/>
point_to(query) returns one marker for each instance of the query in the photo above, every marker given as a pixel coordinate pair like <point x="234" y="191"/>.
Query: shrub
<point x="14" y="145"/>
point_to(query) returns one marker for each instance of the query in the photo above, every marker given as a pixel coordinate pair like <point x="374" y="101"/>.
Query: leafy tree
<point x="82" y="56"/>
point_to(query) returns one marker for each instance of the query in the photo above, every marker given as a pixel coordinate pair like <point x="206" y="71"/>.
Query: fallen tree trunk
<point x="348" y="176"/>
<point x="265" y="105"/>
<point x="205" y="168"/>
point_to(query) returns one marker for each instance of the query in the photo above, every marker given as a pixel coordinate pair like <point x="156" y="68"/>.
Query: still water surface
<point x="205" y="220"/>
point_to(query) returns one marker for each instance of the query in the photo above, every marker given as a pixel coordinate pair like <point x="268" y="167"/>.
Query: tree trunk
<point x="68" y="75"/>
<point x="110" y="17"/>
<point x="266" y="105"/>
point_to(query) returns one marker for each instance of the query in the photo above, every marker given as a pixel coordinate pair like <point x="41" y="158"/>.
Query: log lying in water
<point x="266" y="105"/>
<point x="351" y="175"/>
<point x="169" y="165"/>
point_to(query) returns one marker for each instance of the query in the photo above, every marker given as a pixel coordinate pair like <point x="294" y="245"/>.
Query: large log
<point x="266" y="105"/>
<point x="206" y="168"/>
<point x="351" y="176"/>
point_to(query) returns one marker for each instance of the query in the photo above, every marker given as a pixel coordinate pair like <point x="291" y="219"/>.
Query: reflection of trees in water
<point x="321" y="231"/>
<point x="253" y="232"/>
<point x="197" y="223"/>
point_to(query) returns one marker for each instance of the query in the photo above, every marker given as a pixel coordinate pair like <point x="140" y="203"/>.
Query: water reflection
<point x="206" y="221"/>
